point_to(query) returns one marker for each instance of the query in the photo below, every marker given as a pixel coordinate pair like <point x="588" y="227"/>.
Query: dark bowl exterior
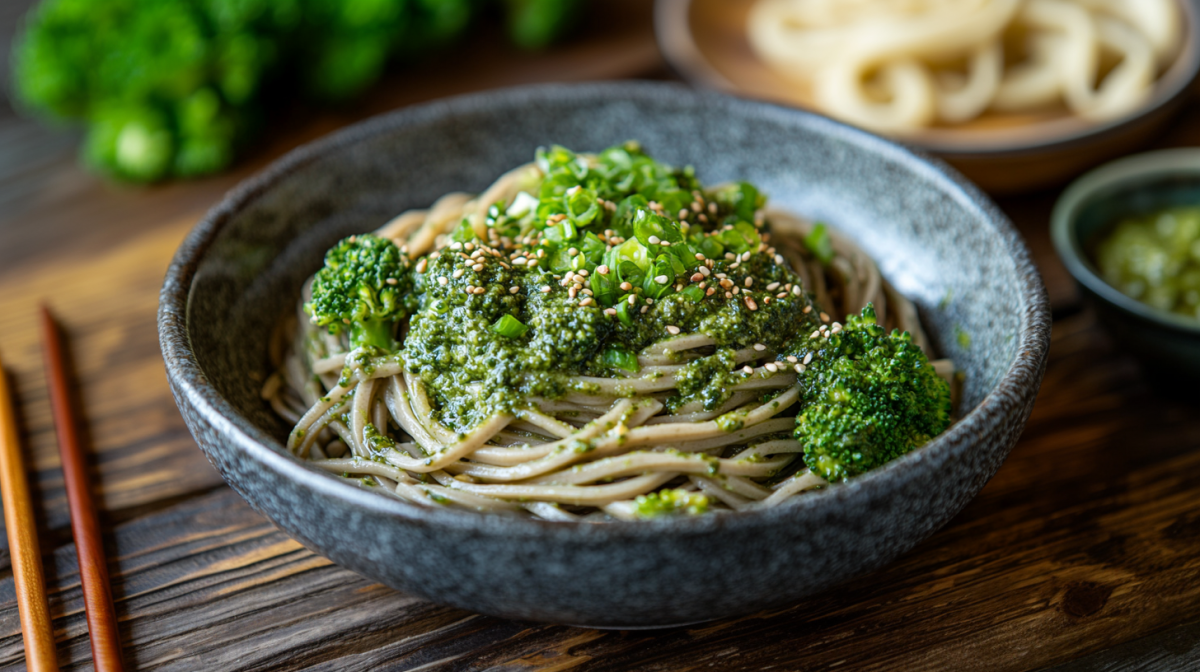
<point x="937" y="238"/>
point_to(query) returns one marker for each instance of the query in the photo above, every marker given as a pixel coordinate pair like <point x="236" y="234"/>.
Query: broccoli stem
<point x="377" y="333"/>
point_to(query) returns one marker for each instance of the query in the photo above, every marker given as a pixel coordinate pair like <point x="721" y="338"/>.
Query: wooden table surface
<point x="1083" y="553"/>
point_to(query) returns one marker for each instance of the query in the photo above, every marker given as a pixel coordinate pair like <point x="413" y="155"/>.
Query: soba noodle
<point x="583" y="455"/>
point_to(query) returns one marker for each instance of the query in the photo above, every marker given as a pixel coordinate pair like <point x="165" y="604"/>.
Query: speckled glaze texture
<point x="937" y="239"/>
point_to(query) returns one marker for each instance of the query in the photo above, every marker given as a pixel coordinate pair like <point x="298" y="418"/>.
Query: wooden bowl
<point x="705" y="42"/>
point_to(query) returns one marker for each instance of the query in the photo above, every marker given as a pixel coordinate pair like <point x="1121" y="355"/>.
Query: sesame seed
<point x="773" y="286"/>
<point x="824" y="317"/>
<point x="391" y="281"/>
<point x="443" y="280"/>
<point x="610" y="311"/>
<point x="660" y="279"/>
<point x="602" y="270"/>
<point x="514" y="289"/>
<point x="586" y="302"/>
<point x="759" y="347"/>
<point x="751" y="304"/>
<point x="808" y="358"/>
<point x="673" y="330"/>
<point x="477" y="268"/>
<point x="625" y="286"/>
<point x="697" y="277"/>
<point x="520" y="261"/>
<point x="545" y="290"/>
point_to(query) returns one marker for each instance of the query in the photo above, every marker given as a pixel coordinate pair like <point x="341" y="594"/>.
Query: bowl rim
<point x="1014" y="390"/>
<point x="1163" y="163"/>
<point x="672" y="27"/>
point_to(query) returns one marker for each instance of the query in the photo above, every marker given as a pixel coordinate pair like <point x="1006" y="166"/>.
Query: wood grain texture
<point x="1087" y="539"/>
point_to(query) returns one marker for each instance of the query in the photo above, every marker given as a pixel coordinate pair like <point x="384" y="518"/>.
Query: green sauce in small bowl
<point x="1155" y="258"/>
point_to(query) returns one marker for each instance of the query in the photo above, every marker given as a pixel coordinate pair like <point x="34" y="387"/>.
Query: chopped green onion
<point x="619" y="358"/>
<point x="510" y="327"/>
<point x="819" y="243"/>
<point x="694" y="293"/>
<point x="464" y="232"/>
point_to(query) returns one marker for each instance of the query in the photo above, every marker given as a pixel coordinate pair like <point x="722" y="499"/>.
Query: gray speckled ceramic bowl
<point x="937" y="239"/>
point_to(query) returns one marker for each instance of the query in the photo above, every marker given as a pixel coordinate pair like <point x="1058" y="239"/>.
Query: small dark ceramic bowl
<point x="936" y="237"/>
<point x="1167" y="343"/>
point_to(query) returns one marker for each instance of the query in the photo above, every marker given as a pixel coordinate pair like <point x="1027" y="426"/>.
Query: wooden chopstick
<point x="36" y="628"/>
<point x="85" y="526"/>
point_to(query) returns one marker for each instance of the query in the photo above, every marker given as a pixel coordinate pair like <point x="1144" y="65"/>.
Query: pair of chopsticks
<point x="36" y="628"/>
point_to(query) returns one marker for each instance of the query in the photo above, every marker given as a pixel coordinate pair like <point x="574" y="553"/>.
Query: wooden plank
<point x="140" y="449"/>
<point x="1088" y="537"/>
<point x="1169" y="651"/>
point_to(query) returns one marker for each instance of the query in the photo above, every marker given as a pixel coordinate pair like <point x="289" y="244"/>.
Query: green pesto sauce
<point x="670" y="502"/>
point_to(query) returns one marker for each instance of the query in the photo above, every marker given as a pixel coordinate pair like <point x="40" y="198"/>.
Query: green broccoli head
<point x="365" y="286"/>
<point x="870" y="397"/>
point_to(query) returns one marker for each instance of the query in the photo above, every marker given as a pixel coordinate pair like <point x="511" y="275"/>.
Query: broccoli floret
<point x="867" y="397"/>
<point x="176" y="87"/>
<point x="365" y="285"/>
